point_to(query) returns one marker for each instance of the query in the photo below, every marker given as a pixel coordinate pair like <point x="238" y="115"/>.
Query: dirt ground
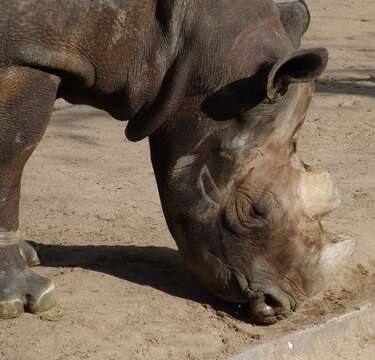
<point x="123" y="290"/>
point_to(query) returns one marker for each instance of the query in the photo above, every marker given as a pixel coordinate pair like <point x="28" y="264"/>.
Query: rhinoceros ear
<point x="295" y="16"/>
<point x="297" y="67"/>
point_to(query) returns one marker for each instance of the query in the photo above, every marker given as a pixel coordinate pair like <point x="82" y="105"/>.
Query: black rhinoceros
<point x="221" y="90"/>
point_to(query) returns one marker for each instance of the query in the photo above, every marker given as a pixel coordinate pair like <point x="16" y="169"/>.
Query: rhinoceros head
<point x="238" y="200"/>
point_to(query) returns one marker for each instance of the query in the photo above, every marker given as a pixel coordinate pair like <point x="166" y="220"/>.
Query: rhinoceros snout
<point x="268" y="309"/>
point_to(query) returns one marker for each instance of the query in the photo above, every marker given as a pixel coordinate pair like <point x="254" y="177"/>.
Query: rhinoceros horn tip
<point x="336" y="256"/>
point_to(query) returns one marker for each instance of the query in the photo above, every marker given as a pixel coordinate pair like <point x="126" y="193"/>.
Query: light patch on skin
<point x="118" y="26"/>
<point x="207" y="186"/>
<point x="210" y="198"/>
<point x="240" y="141"/>
<point x="19" y="138"/>
<point x="182" y="164"/>
<point x="239" y="144"/>
<point x="9" y="238"/>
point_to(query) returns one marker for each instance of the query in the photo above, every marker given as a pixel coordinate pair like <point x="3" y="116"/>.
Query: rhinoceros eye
<point x="243" y="218"/>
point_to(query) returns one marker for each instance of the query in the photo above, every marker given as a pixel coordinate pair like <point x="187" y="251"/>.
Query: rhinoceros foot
<point x="20" y="288"/>
<point x="29" y="253"/>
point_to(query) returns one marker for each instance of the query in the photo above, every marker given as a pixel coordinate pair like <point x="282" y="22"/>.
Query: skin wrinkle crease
<point x="205" y="172"/>
<point x="183" y="163"/>
<point x="252" y="31"/>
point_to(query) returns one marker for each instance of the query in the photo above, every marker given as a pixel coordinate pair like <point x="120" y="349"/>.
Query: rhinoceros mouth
<point x="268" y="302"/>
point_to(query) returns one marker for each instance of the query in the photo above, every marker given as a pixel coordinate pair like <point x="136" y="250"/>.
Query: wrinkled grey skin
<point x="221" y="91"/>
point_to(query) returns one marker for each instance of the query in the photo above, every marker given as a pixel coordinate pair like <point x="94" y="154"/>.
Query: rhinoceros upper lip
<point x="267" y="305"/>
<point x="245" y="286"/>
<point x="287" y="302"/>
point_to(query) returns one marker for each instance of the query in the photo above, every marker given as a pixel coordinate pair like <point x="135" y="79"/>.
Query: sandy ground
<point x="123" y="290"/>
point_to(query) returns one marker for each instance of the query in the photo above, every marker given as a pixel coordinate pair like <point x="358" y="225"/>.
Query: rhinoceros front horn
<point x="335" y="256"/>
<point x="297" y="67"/>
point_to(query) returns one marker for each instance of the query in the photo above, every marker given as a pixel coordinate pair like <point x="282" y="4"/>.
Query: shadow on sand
<point x="159" y="267"/>
<point x="347" y="86"/>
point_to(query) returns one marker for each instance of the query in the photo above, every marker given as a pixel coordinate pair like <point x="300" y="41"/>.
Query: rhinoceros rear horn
<point x="297" y="67"/>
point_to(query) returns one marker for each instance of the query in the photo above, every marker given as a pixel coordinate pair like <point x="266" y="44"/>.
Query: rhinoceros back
<point x="71" y="36"/>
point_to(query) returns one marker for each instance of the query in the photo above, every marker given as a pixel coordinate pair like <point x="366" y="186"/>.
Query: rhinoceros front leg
<point x="26" y="100"/>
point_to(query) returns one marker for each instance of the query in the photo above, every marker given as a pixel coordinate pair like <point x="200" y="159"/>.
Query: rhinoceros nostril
<point x="271" y="302"/>
<point x="267" y="310"/>
<point x="260" y="310"/>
